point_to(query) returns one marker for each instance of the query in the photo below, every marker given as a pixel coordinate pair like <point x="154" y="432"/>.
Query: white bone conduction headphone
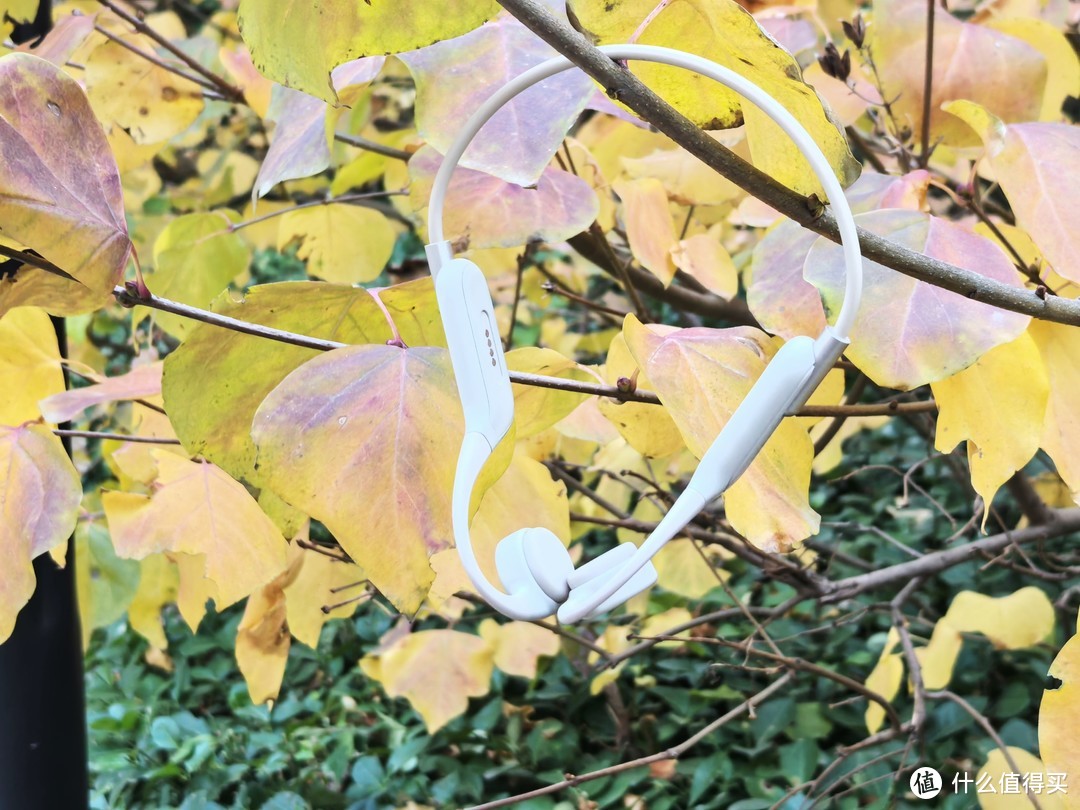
<point x="535" y="568"/>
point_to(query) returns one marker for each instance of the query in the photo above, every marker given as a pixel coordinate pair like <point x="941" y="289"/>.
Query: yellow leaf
<point x="158" y="583"/>
<point x="885" y="679"/>
<point x="127" y="91"/>
<point x="686" y="179"/>
<point x="649" y="227"/>
<point x="313" y="587"/>
<point x="649" y="429"/>
<point x="298" y="44"/>
<point x="1021" y="619"/>
<point x="518" y="646"/>
<point x="997" y="413"/>
<point x="19" y="11"/>
<point x="1063" y="65"/>
<point x="613" y="640"/>
<point x="366" y="412"/>
<point x="39" y="503"/>
<point x="725" y="32"/>
<point x="536" y="408"/>
<point x="341" y="243"/>
<point x="701" y="375"/>
<point x="194" y="589"/>
<point x="661" y="624"/>
<point x="437" y="671"/>
<point x="60" y="191"/>
<point x="707" y="260"/>
<point x="1059" y="713"/>
<point x="29" y="364"/>
<point x="938" y="657"/>
<point x="971" y="62"/>
<point x="684" y="571"/>
<point x="216" y="379"/>
<point x="262" y="639"/>
<point x="1059" y="346"/>
<point x="197" y="509"/>
<point x="141" y="382"/>
<point x="993" y="774"/>
<point x="525" y="496"/>
<point x="195" y="258"/>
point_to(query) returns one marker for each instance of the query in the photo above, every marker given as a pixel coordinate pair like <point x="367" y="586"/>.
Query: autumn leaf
<point x="262" y="638"/>
<point x="646" y="428"/>
<point x="518" y="646"/>
<point x="517" y="144"/>
<point x="364" y="414"/>
<point x="1059" y="712"/>
<point x="39" y="502"/>
<point x="1000" y="416"/>
<point x="342" y="243"/>
<point x="195" y="258"/>
<point x="783" y="301"/>
<point x="301" y="43"/>
<point x="59" y="189"/>
<point x="158" y="584"/>
<point x="1012" y="622"/>
<point x="438" y="693"/>
<point x="319" y="582"/>
<point x="536" y="408"/>
<point x="141" y="382"/>
<point x="884" y="679"/>
<point x="129" y="92"/>
<point x="649" y="227"/>
<point x="1029" y="768"/>
<point x="972" y="62"/>
<point x="29" y="365"/>
<point x="1058" y="345"/>
<point x="303" y="130"/>
<point x="196" y="509"/>
<point x="214" y="382"/>
<point x="941" y="332"/>
<point x="701" y="375"/>
<point x="489" y="212"/>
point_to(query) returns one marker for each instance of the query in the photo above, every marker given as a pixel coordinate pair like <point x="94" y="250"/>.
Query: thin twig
<point x="372" y="146"/>
<point x="928" y="82"/>
<point x="660" y="756"/>
<point x="230" y="91"/>
<point x="116" y="437"/>
<point x="984" y="724"/>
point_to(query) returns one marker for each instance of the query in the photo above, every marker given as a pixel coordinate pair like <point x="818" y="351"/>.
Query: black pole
<point x="43" y="748"/>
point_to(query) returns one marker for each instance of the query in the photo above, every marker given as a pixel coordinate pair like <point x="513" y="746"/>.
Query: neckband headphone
<point x="534" y="567"/>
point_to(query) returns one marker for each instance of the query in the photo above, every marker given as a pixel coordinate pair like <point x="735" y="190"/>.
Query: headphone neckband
<point x="483" y="382"/>
<point x="439" y="251"/>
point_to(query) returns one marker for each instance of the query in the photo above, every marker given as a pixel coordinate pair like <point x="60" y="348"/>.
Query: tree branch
<point x="671" y="753"/>
<point x="1064" y="522"/>
<point x="620" y="83"/>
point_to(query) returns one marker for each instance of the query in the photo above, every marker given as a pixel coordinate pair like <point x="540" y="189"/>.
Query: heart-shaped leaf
<point x="59" y="189"/>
